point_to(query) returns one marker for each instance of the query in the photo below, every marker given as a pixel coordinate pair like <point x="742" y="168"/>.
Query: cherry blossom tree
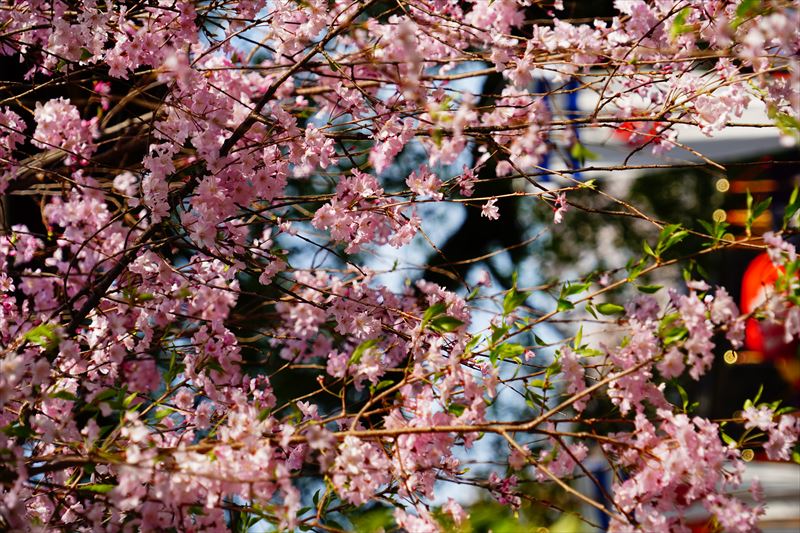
<point x="199" y="328"/>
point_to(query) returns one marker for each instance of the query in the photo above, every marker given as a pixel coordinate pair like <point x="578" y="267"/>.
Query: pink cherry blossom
<point x="490" y="210"/>
<point x="560" y="207"/>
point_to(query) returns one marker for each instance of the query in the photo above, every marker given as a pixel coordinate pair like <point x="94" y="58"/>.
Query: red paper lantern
<point x="763" y="337"/>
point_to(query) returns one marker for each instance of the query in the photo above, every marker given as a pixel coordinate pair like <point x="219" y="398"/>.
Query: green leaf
<point x="796" y="456"/>
<point x="498" y="332"/>
<point x="446" y="324"/>
<point x="568" y="290"/>
<point x="163" y="413"/>
<point x="578" y="338"/>
<point x="674" y="335"/>
<point x="758" y="394"/>
<point x="473" y="342"/>
<point x="182" y="293"/>
<point x="554" y="368"/>
<point x="541" y="384"/>
<point x="674" y="239"/>
<point x="701" y="271"/>
<point x="791" y="208"/>
<point x="649" y="289"/>
<point x="437" y="135"/>
<point x="533" y="399"/>
<point x="509" y="350"/>
<point x="607" y="308"/>
<point x="360" y="349"/>
<point x="679" y="26"/>
<point x="635" y="268"/>
<point x="383" y="384"/>
<point x="16" y="430"/>
<point x="754" y="212"/>
<point x="648" y="250"/>
<point x="666" y="231"/>
<point x="371" y="521"/>
<point x="105" y="395"/>
<point x="565" y="522"/>
<point x="574" y="288"/>
<point x="582" y="154"/>
<point x="745" y="10"/>
<point x="433" y="311"/>
<point x="129" y="399"/>
<point x="716" y="229"/>
<point x="435" y="318"/>
<point x="787" y="123"/>
<point x="456" y="409"/>
<point x="684" y="396"/>
<point x="172" y="371"/>
<point x="709" y="227"/>
<point x="513" y="299"/>
<point x="728" y="439"/>
<point x="44" y="335"/>
<point x="564" y="305"/>
<point x="747" y="7"/>
<point x="100" y="488"/>
<point x="670" y="235"/>
<point x="64" y="395"/>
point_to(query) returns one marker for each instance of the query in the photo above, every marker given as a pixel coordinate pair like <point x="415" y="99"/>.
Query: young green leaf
<point x="791" y="208"/>
<point x="754" y="212"/>
<point x="44" y="335"/>
<point x="433" y="311"/>
<point x="571" y="289"/>
<point x="445" y="324"/>
<point x="679" y="26"/>
<point x="744" y="11"/>
<point x="728" y="439"/>
<point x="607" y="308"/>
<point x="649" y="289"/>
<point x="360" y="349"/>
<point x="564" y="305"/>
<point x="581" y="153"/>
<point x="513" y="299"/>
<point x="100" y="488"/>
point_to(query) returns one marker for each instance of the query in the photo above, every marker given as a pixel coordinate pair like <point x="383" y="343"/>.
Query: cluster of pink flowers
<point x="685" y="459"/>
<point x="648" y="347"/>
<point x="192" y="329"/>
<point x="11" y="136"/>
<point x="59" y="125"/>
<point x="361" y="214"/>
<point x="783" y="434"/>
